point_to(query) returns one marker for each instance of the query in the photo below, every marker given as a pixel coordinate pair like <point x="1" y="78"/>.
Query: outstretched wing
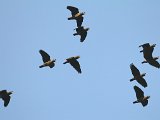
<point x="134" y="70"/>
<point x="144" y="103"/>
<point x="143" y="82"/>
<point x="83" y="36"/>
<point x="6" y="100"/>
<point x="139" y="92"/>
<point x="45" y="56"/>
<point x="79" y="21"/>
<point x="76" y="65"/>
<point x="154" y="63"/>
<point x="73" y="10"/>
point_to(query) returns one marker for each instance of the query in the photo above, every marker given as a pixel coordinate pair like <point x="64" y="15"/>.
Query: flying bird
<point x="82" y="32"/>
<point x="137" y="75"/>
<point x="76" y="15"/>
<point x="46" y="59"/>
<point x="5" y="97"/>
<point x="147" y="53"/>
<point x="140" y="97"/>
<point x="73" y="61"/>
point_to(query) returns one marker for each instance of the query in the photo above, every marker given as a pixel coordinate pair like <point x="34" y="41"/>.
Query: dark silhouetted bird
<point x="76" y="15"/>
<point x="73" y="61"/>
<point x="137" y="76"/>
<point x="82" y="32"/>
<point x="140" y="96"/>
<point x="46" y="59"/>
<point x="147" y="53"/>
<point x="5" y="97"/>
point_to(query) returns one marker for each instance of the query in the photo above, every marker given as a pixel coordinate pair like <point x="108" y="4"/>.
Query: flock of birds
<point x="47" y="61"/>
<point x="80" y="30"/>
<point x="147" y="54"/>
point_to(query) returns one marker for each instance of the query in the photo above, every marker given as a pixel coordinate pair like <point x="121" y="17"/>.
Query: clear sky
<point x="103" y="90"/>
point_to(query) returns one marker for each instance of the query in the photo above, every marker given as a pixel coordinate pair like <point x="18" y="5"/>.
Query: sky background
<point x="103" y="90"/>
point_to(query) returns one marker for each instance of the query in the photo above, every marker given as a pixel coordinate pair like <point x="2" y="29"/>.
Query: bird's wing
<point x="45" y="56"/>
<point x="3" y="91"/>
<point x="144" y="103"/>
<point x="79" y="21"/>
<point x="134" y="70"/>
<point x="6" y="100"/>
<point x="143" y="82"/>
<point x="83" y="36"/>
<point x="154" y="63"/>
<point x="73" y="10"/>
<point x="139" y="92"/>
<point x="76" y="65"/>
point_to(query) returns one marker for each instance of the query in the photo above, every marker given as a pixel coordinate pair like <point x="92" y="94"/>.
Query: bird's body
<point x="5" y="96"/>
<point x="82" y="32"/>
<point x="137" y="76"/>
<point x="46" y="60"/>
<point x="140" y="97"/>
<point x="76" y="15"/>
<point x="73" y="61"/>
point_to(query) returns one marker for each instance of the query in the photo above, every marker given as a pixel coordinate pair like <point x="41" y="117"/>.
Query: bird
<point x="46" y="59"/>
<point x="5" y="96"/>
<point x="140" y="97"/>
<point x="82" y="32"/>
<point x="76" y="15"/>
<point x="137" y="76"/>
<point x="73" y="61"/>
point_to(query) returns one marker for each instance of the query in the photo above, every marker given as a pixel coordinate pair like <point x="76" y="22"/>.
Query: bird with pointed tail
<point x="5" y="96"/>
<point x="82" y="32"/>
<point x="75" y="64"/>
<point x="46" y="60"/>
<point x="140" y="97"/>
<point x="137" y="75"/>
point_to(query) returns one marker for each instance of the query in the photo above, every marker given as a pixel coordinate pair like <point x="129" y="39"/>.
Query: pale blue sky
<point x="103" y="90"/>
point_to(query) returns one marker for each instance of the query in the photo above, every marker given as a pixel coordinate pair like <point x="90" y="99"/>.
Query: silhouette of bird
<point x="82" y="32"/>
<point x="137" y="76"/>
<point x="140" y="97"/>
<point x="46" y="59"/>
<point x="147" y="53"/>
<point x="5" y="97"/>
<point x="73" y="61"/>
<point x="76" y="15"/>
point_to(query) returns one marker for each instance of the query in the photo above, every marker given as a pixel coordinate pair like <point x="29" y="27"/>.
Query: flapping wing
<point x="144" y="103"/>
<point x="76" y="65"/>
<point x="139" y="92"/>
<point x="143" y="82"/>
<point x="73" y="10"/>
<point x="79" y="21"/>
<point x="6" y="100"/>
<point x="134" y="70"/>
<point x="154" y="63"/>
<point x="45" y="56"/>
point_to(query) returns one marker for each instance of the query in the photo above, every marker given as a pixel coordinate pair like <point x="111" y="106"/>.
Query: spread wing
<point x="143" y="82"/>
<point x="6" y="100"/>
<point x="139" y="92"/>
<point x="144" y="103"/>
<point x="73" y="10"/>
<point x="45" y="56"/>
<point x="134" y="70"/>
<point x="79" y="21"/>
<point x="154" y="63"/>
<point x="83" y="36"/>
<point x="76" y="65"/>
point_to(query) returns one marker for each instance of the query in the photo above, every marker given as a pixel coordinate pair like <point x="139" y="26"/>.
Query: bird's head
<point x="77" y="57"/>
<point x="143" y="74"/>
<point x="148" y="97"/>
<point x="83" y="13"/>
<point x="11" y="92"/>
<point x="131" y="64"/>
<point x="87" y="29"/>
<point x="153" y="45"/>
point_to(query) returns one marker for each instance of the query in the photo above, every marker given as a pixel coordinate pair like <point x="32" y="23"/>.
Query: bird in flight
<point x="46" y="60"/>
<point x="73" y="61"/>
<point x="5" y="96"/>
<point x="137" y="75"/>
<point x="140" y="97"/>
